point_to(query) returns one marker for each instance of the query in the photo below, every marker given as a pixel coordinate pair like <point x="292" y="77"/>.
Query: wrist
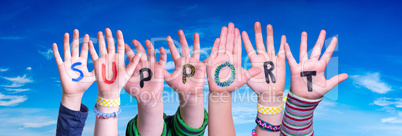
<point x="191" y="99"/>
<point x="220" y="97"/>
<point x="270" y="101"/>
<point x="72" y="101"/>
<point x="109" y="95"/>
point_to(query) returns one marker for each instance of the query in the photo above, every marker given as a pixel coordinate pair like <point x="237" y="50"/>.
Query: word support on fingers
<point x="79" y="71"/>
<point x="142" y="79"/>
<point x="268" y="72"/>
<point x="185" y="75"/>
<point x="114" y="69"/>
<point x="232" y="74"/>
<point x="309" y="75"/>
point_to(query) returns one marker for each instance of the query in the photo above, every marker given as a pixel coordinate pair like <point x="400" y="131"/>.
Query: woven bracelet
<point x="266" y="126"/>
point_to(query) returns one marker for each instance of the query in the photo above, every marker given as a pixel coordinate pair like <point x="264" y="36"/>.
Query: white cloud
<point x="3" y="69"/>
<point x="169" y="65"/>
<point x="392" y="120"/>
<point x="47" y="54"/>
<point x="17" y="90"/>
<point x="29" y="68"/>
<point x="18" y="81"/>
<point x="39" y="124"/>
<point x="372" y="82"/>
<point x="383" y="101"/>
<point x="11" y="100"/>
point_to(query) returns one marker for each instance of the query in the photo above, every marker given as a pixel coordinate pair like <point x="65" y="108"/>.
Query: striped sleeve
<point x="298" y="116"/>
<point x="177" y="127"/>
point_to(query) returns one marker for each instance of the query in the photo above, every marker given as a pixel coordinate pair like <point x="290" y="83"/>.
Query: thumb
<point x="250" y="74"/>
<point x="336" y="80"/>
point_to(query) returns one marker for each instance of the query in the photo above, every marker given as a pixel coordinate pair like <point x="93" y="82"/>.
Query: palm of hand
<point x="67" y="74"/>
<point x="258" y="83"/>
<point x="319" y="84"/>
<point x="224" y="74"/>
<point x="153" y="88"/>
<point x="194" y="84"/>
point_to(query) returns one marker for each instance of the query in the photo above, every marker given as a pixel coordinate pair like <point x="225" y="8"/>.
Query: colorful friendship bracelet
<point x="271" y="110"/>
<point x="107" y="102"/>
<point x="266" y="126"/>
<point x="99" y="114"/>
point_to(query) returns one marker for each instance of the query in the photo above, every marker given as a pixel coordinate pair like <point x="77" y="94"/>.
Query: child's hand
<point x="271" y="81"/>
<point x="308" y="77"/>
<point x="190" y="81"/>
<point x="150" y="86"/>
<point x="110" y="69"/>
<point x="73" y="82"/>
<point x="226" y="54"/>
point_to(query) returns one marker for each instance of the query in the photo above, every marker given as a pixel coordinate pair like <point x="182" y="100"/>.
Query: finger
<point x="303" y="56"/>
<point x="166" y="74"/>
<point x="222" y="45"/>
<point x="120" y="46"/>
<point x="237" y="46"/>
<point x="247" y="44"/>
<point x="67" y="54"/>
<point x="84" y="48"/>
<point x="329" y="51"/>
<point x="140" y="49"/>
<point x="102" y="44"/>
<point x="258" y="38"/>
<point x="163" y="57"/>
<point x="336" y="80"/>
<point x="318" y="46"/>
<point x="110" y="41"/>
<point x="184" y="46"/>
<point x="250" y="74"/>
<point x="129" y="51"/>
<point x="92" y="51"/>
<point x="75" y="44"/>
<point x="230" y="38"/>
<point x="214" y="50"/>
<point x="289" y="56"/>
<point x="281" y="52"/>
<point x="173" y="50"/>
<point x="196" y="48"/>
<point x="120" y="42"/>
<point x="151" y="51"/>
<point x="133" y="64"/>
<point x="57" y="54"/>
<point x="270" y="41"/>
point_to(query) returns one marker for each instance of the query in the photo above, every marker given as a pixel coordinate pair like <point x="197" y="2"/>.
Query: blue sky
<point x="368" y="103"/>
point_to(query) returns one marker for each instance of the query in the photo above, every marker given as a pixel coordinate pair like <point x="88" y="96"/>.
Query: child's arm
<point x="268" y="85"/>
<point x="188" y="80"/>
<point x="72" y="114"/>
<point x="112" y="74"/>
<point x="225" y="75"/>
<point x="146" y="86"/>
<point x="308" y="85"/>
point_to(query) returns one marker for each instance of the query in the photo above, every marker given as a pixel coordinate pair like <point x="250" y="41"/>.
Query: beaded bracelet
<point x="253" y="132"/>
<point x="266" y="126"/>
<point x="108" y="102"/>
<point x="99" y="114"/>
<point x="271" y="110"/>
